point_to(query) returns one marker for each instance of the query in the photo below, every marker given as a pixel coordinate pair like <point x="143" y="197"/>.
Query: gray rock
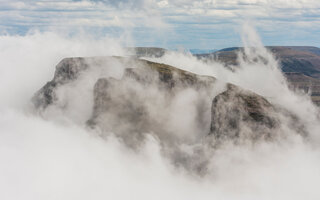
<point x="66" y="71"/>
<point x="243" y="115"/>
<point x="238" y="113"/>
<point x="235" y="113"/>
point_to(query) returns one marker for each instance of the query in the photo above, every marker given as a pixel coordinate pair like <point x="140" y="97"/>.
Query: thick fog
<point x="53" y="154"/>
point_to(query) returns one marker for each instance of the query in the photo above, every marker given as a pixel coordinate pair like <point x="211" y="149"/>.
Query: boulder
<point x="238" y="113"/>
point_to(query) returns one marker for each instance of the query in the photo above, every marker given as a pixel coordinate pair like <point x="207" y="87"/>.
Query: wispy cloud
<point x="180" y="21"/>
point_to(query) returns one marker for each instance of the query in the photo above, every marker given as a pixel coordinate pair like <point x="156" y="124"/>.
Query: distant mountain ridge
<point x="302" y="59"/>
<point x="202" y="51"/>
<point x="158" y="52"/>
<point x="146" y="51"/>
<point x="300" y="64"/>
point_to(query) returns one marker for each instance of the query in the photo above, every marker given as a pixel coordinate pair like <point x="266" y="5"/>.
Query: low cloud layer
<point x="56" y="156"/>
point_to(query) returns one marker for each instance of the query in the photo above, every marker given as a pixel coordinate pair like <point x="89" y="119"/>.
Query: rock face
<point x="237" y="113"/>
<point x="171" y="103"/>
<point x="66" y="71"/>
<point x="141" y="99"/>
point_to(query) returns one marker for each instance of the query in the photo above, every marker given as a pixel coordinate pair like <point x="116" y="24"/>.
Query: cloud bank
<point x="55" y="157"/>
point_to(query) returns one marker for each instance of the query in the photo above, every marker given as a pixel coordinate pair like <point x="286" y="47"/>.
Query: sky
<point x="172" y="24"/>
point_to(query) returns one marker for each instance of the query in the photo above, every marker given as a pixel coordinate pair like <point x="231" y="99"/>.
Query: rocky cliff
<point x="149" y="97"/>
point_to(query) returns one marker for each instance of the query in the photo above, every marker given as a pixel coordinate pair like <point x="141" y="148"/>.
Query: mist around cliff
<point x="53" y="155"/>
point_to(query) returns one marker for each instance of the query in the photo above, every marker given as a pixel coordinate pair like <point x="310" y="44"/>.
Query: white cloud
<point x="45" y="159"/>
<point x="162" y="4"/>
<point x="165" y="16"/>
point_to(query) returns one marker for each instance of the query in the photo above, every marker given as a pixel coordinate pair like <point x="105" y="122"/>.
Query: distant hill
<point x="147" y="51"/>
<point x="202" y="51"/>
<point x="158" y="52"/>
<point x="300" y="64"/>
<point x="305" y="60"/>
<point x="302" y="59"/>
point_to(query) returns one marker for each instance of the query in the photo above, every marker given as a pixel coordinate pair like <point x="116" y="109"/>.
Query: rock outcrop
<point x="144" y="100"/>
<point x="238" y="113"/>
<point x="66" y="71"/>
